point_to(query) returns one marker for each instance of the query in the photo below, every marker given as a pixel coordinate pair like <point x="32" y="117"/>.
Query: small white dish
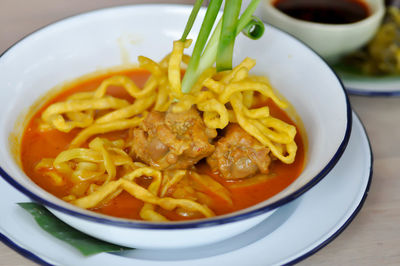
<point x="291" y="234"/>
<point x="71" y="47"/>
<point x="329" y="40"/>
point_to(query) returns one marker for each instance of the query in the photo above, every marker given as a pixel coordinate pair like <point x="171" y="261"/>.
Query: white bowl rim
<point x="198" y="223"/>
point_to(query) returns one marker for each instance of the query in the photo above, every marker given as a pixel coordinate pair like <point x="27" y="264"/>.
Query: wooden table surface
<point x="373" y="238"/>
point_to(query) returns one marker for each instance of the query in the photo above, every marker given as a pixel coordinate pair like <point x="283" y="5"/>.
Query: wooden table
<point x="373" y="238"/>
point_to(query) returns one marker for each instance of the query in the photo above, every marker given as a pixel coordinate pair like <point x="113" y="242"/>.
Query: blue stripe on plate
<point x="373" y="93"/>
<point x="24" y="252"/>
<point x="351" y="218"/>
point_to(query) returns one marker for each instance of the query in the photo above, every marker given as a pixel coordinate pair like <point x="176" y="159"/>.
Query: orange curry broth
<point x="36" y="145"/>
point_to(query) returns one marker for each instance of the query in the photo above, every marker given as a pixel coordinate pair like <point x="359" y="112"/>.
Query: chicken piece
<point x="173" y="140"/>
<point x="239" y="155"/>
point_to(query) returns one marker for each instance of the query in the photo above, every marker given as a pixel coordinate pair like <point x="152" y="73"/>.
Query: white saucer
<point x="358" y="84"/>
<point x="291" y="234"/>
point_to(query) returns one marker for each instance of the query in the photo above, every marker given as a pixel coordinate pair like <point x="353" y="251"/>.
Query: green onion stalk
<point x="219" y="48"/>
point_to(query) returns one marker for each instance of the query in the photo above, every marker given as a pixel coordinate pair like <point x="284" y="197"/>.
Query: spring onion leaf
<point x="87" y="245"/>
<point x="228" y="35"/>
<point x="205" y="30"/>
<point x="254" y="29"/>
<point x="247" y="15"/>
<point x="207" y="60"/>
<point x="219" y="48"/>
<point x="191" y="20"/>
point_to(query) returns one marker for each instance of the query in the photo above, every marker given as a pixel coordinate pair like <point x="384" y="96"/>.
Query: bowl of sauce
<point x="331" y="28"/>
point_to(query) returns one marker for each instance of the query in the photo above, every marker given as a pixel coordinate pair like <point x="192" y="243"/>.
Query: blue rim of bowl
<point x="29" y="255"/>
<point x="224" y="219"/>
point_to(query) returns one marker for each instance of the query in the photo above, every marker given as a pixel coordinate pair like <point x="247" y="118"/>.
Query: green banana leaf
<point x="87" y="245"/>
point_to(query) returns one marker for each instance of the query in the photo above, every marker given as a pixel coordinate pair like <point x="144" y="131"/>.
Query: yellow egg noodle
<point x="223" y="98"/>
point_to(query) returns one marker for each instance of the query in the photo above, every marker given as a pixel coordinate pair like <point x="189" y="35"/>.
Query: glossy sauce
<point x="325" y="11"/>
<point x="36" y="145"/>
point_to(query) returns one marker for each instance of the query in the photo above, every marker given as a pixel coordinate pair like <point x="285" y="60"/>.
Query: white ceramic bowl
<point x="88" y="42"/>
<point x="329" y="40"/>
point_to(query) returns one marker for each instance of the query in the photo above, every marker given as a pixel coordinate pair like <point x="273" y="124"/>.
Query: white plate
<point x="368" y="85"/>
<point x="291" y="234"/>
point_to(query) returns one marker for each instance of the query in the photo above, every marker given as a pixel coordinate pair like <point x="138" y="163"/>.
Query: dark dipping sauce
<point x="325" y="11"/>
